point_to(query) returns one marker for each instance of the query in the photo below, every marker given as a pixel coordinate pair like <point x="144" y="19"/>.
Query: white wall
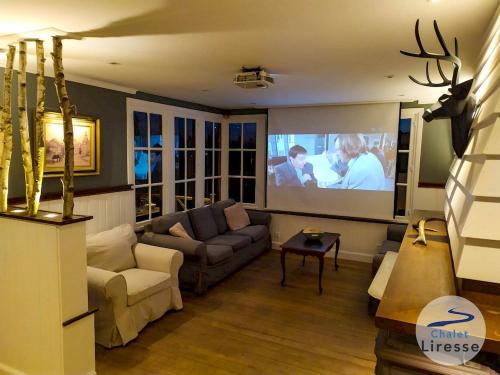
<point x="472" y="205"/>
<point x="358" y="241"/>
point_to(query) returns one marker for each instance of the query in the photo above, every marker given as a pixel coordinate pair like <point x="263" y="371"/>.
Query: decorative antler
<point x="447" y="56"/>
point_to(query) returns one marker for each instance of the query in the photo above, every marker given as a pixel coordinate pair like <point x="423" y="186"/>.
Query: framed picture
<point x="86" y="133"/>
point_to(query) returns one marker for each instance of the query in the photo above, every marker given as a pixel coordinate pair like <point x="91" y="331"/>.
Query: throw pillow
<point x="112" y="249"/>
<point x="178" y="230"/>
<point x="236" y="217"/>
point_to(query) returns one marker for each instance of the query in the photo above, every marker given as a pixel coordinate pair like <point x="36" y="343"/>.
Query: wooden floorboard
<point x="249" y="324"/>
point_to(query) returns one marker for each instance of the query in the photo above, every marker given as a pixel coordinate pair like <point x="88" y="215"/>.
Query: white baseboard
<point x="343" y="254"/>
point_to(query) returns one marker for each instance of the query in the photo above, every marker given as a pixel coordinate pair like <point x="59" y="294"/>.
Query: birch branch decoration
<point x="39" y="160"/>
<point x="67" y="112"/>
<point x="6" y="129"/>
<point x="23" y="128"/>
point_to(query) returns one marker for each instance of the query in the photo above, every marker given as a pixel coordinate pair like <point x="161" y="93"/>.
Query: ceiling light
<point x="114" y="63"/>
<point x="389" y="76"/>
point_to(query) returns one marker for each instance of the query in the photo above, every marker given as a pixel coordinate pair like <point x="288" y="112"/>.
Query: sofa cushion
<point x="218" y="211"/>
<point x="178" y="230"/>
<point x="161" y="225"/>
<point x="236" y="217"/>
<point x="233" y="240"/>
<point x="388" y="245"/>
<point x="255" y="232"/>
<point x="218" y="253"/>
<point x="111" y="250"/>
<point x="203" y="223"/>
<point x="142" y="284"/>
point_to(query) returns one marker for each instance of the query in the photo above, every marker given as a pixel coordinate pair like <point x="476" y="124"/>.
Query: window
<point x="185" y="163"/>
<point x="212" y="162"/>
<point x="148" y="157"/>
<point x="242" y="162"/>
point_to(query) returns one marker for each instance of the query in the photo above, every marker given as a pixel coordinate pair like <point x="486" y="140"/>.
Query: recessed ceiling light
<point x="389" y="76"/>
<point x="114" y="63"/>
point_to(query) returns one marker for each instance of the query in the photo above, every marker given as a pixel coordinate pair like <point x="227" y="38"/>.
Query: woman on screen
<point x="364" y="170"/>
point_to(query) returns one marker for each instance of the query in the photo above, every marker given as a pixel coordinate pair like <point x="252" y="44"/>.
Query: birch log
<point x="39" y="160"/>
<point x="6" y="129"/>
<point x="67" y="112"/>
<point x="22" y="106"/>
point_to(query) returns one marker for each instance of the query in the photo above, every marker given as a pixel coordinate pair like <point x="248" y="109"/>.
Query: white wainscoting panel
<point x="108" y="210"/>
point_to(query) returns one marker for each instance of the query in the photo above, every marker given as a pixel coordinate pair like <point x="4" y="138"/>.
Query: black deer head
<point x="458" y="104"/>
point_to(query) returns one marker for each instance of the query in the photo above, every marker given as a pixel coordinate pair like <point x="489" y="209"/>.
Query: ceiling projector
<point x="253" y="78"/>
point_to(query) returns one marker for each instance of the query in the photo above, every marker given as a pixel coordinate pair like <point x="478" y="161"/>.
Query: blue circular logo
<point x="450" y="330"/>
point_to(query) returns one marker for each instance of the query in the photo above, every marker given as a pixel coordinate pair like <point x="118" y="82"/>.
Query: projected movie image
<point x="332" y="161"/>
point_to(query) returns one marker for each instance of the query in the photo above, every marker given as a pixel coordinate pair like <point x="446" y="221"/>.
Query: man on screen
<point x="365" y="171"/>
<point x="295" y="171"/>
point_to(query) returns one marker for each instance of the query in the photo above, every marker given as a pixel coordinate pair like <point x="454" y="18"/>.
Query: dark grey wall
<point x="108" y="105"/>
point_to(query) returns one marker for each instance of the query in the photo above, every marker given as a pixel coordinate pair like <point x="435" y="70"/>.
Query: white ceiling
<point x="322" y="51"/>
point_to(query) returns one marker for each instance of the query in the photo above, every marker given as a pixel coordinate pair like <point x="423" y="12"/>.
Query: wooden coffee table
<point x="300" y="245"/>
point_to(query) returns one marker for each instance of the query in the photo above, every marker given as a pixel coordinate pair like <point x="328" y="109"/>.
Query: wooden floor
<point x="249" y="324"/>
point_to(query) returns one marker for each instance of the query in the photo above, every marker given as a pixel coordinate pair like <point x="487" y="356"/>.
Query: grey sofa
<point x="215" y="251"/>
<point x="395" y="235"/>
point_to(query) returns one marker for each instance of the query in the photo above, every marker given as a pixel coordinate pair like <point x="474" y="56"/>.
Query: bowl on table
<point x="312" y="234"/>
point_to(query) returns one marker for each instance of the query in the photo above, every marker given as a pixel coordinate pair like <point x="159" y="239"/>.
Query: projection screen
<point x="337" y="160"/>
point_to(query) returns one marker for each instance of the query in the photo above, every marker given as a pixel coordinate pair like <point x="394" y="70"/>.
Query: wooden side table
<point x="300" y="245"/>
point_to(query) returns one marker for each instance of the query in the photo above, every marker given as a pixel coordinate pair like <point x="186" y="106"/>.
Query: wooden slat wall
<point x="472" y="206"/>
<point x="108" y="210"/>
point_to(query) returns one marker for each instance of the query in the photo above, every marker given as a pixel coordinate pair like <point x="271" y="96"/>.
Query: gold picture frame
<point x="86" y="133"/>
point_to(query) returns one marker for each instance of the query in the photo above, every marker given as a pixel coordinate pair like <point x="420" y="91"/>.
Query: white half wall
<point x="108" y="210"/>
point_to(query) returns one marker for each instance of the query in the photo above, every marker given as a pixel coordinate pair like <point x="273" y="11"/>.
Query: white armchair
<point x="131" y="284"/>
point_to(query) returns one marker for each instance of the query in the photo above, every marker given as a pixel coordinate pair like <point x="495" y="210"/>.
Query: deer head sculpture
<point x="458" y="104"/>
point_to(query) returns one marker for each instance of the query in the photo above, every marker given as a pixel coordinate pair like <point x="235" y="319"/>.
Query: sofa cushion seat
<point x="218" y="253"/>
<point x="255" y="232"/>
<point x="142" y="284"/>
<point x="235" y="241"/>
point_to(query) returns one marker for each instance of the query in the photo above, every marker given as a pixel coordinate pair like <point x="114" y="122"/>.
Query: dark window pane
<point x="140" y="129"/>
<point x="217" y="135"/>
<point x="156" y="200"/>
<point x="401" y="200"/>
<point x="180" y="198"/>
<point x="249" y="163"/>
<point x="209" y="134"/>
<point x="234" y="189"/>
<point x="249" y="135"/>
<point x="249" y="190"/>
<point x="155" y="130"/>
<point x="141" y="204"/>
<point x="208" y="189"/>
<point x="141" y="167"/>
<point x="190" y="164"/>
<point x="190" y="199"/>
<point x="217" y="163"/>
<point x="191" y="135"/>
<point x="179" y="165"/>
<point x="156" y="166"/>
<point x="216" y="189"/>
<point x="179" y="133"/>
<point x="404" y="134"/>
<point x="209" y="164"/>
<point x="234" y="163"/>
<point x="402" y="162"/>
<point x="234" y="135"/>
